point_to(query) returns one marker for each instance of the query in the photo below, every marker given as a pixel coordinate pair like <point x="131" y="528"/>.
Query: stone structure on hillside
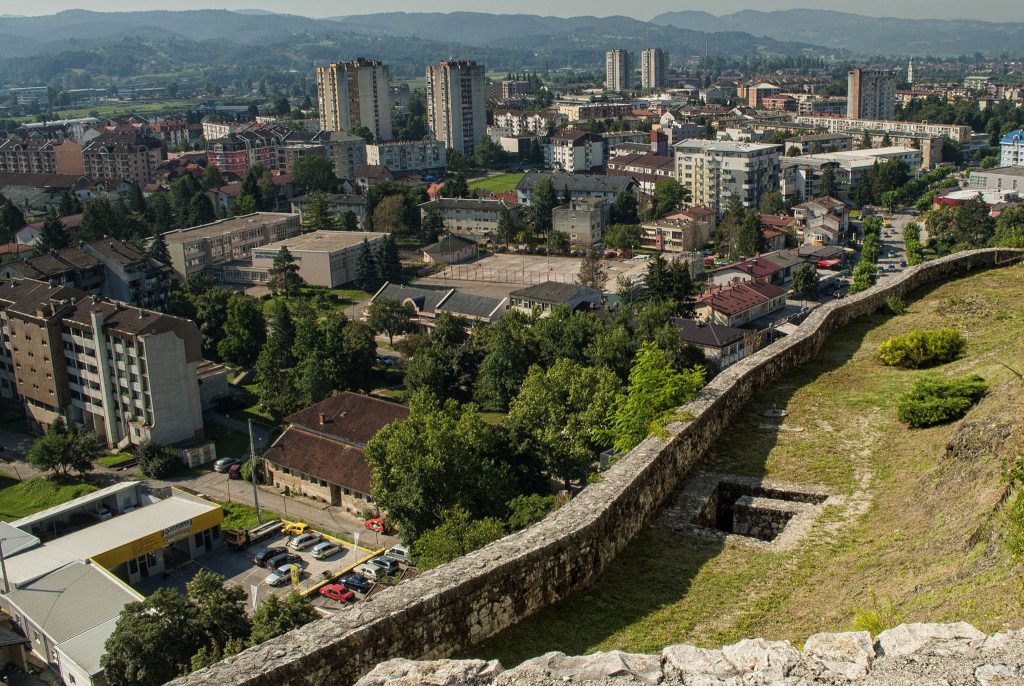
<point x="451" y="607"/>
<point x="907" y="654"/>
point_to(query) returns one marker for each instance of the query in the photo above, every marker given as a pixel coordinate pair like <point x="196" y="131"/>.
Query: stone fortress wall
<point x="457" y="604"/>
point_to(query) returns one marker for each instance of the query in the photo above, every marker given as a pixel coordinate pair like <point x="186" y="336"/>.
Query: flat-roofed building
<point x="200" y="248"/>
<point x="325" y="258"/>
<point x="68" y="579"/>
<point x="584" y="221"/>
<point x="353" y="94"/>
<point x="998" y="179"/>
<point x="125" y="373"/>
<point x="957" y="132"/>
<point x="404" y="157"/>
<point x="456" y="103"/>
<point x="717" y="171"/>
<point x="470" y="217"/>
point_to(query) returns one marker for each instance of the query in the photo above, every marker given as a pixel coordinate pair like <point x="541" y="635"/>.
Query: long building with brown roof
<point x="320" y="454"/>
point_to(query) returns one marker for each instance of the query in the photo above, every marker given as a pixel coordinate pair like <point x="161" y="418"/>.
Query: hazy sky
<point x="986" y="10"/>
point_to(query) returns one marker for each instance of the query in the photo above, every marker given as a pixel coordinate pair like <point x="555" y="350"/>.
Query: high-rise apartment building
<point x="457" y="104"/>
<point x="719" y="170"/>
<point x="128" y="374"/>
<point x="353" y="94"/>
<point x="618" y="70"/>
<point x="871" y="94"/>
<point x="653" y="69"/>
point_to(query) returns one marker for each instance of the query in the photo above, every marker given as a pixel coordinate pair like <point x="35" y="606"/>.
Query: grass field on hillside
<point x="20" y="499"/>
<point x="498" y="183"/>
<point x="919" y="529"/>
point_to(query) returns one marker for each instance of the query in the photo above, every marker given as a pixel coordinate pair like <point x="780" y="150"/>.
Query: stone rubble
<point x="907" y="655"/>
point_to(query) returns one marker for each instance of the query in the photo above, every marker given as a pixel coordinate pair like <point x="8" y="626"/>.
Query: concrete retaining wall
<point x="469" y="599"/>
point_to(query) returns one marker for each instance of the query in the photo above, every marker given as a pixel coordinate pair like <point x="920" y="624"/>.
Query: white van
<point x="399" y="553"/>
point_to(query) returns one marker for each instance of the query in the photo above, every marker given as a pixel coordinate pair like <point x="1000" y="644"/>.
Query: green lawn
<point x="20" y="499"/>
<point x="239" y="516"/>
<point x="115" y="461"/>
<point x="497" y="184"/>
<point x="919" y="525"/>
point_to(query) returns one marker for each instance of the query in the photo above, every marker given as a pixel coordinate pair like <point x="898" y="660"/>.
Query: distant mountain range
<point x="862" y="35"/>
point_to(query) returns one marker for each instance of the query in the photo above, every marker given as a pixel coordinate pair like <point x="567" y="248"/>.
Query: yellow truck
<point x="242" y="538"/>
<point x="294" y="528"/>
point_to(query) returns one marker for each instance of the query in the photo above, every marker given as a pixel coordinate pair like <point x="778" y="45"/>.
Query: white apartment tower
<point x="910" y="71"/>
<point x="871" y="94"/>
<point x="353" y="94"/>
<point x="456" y="103"/>
<point x="618" y="70"/>
<point x="653" y="69"/>
<point x="716" y="171"/>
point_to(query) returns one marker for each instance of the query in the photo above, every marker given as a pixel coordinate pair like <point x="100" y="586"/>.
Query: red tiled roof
<point x="776" y="221"/>
<point x="321" y="457"/>
<point x="349" y="416"/>
<point x="756" y="267"/>
<point x="740" y="297"/>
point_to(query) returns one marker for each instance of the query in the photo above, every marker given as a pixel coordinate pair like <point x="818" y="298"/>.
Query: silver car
<point x="303" y="541"/>
<point x="322" y="551"/>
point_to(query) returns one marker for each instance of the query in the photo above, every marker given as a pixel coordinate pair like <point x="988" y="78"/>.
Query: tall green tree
<point x="773" y="203"/>
<point x="805" y="280"/>
<point x="314" y="173"/>
<point x="318" y="216"/>
<point x="53" y="236"/>
<point x="623" y="236"/>
<point x="433" y="224"/>
<point x="152" y="642"/>
<point x="669" y="195"/>
<point x="656" y="388"/>
<point x="1009" y="231"/>
<point x="219" y="612"/>
<point x="592" y="273"/>
<point x="543" y="201"/>
<point x="200" y="210"/>
<point x="457" y="535"/>
<point x="11" y="219"/>
<point x="446" y="365"/>
<point x="390" y="317"/>
<point x="63" y="450"/>
<point x="443" y="456"/>
<point x="275" y="616"/>
<point x="366" y="268"/>
<point x="158" y="250"/>
<point x="828" y="186"/>
<point x="159" y="213"/>
<point x="510" y="347"/>
<point x="348" y="221"/>
<point x="387" y="260"/>
<point x="562" y="415"/>
<point x="284" y="274"/>
<point x="136" y="201"/>
<point x="625" y="209"/>
<point x="211" y="177"/>
<point x="245" y="331"/>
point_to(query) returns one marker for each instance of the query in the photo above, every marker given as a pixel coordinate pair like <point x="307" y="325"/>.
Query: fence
<point x="468" y="272"/>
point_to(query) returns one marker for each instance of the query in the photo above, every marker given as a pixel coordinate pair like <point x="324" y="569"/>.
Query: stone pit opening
<point x="753" y="510"/>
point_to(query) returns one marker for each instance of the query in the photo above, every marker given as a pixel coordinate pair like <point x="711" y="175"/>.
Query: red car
<point x="337" y="592"/>
<point x="376" y="524"/>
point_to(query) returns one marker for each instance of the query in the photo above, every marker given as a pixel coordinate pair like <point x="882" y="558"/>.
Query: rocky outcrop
<point x="910" y="654"/>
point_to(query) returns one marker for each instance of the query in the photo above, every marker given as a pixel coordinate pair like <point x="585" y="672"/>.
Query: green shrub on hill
<point x="935" y="400"/>
<point x="919" y="349"/>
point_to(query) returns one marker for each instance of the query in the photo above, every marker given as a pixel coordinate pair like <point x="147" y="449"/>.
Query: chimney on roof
<point x="323" y="418"/>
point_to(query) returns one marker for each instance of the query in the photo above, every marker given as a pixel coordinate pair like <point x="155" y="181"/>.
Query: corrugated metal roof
<point x="13" y="540"/>
<point x="99" y="538"/>
<point x="86" y="649"/>
<point x="77" y="503"/>
<point x="72" y="600"/>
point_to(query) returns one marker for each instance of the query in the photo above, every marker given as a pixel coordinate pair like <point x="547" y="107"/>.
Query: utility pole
<point x="3" y="565"/>
<point x="254" y="475"/>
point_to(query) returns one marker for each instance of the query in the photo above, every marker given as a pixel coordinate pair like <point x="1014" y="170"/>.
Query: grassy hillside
<point x="921" y="534"/>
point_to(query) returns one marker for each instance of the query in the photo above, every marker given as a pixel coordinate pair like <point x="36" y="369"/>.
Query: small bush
<point x="935" y="400"/>
<point x="877" y="618"/>
<point x="247" y="470"/>
<point x="919" y="349"/>
<point x="896" y="304"/>
<point x="157" y="461"/>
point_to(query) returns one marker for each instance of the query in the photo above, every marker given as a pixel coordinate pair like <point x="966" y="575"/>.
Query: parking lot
<point x="236" y="566"/>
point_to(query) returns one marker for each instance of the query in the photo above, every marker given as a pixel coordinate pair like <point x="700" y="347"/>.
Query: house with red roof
<point x="739" y="303"/>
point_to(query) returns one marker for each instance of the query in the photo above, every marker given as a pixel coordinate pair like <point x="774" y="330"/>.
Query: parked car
<point x="387" y="564"/>
<point x="225" y="463"/>
<point x="903" y="263"/>
<point x="280" y="576"/>
<point x="355" y="582"/>
<point x="282" y="558"/>
<point x="892" y="268"/>
<point x="303" y="541"/>
<point x="235" y="472"/>
<point x="323" y="550"/>
<point x="261" y="556"/>
<point x="337" y="592"/>
<point x="103" y="514"/>
<point x="377" y="524"/>
<point x="371" y="572"/>
<point x="400" y="553"/>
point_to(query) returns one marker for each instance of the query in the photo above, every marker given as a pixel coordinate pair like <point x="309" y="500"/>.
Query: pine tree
<point x="158" y="250"/>
<point x="349" y="221"/>
<point x="317" y="215"/>
<point x="53" y="236"/>
<point x="592" y="274"/>
<point x="136" y="203"/>
<point x="366" y="270"/>
<point x="387" y="260"/>
<point x="284" y="274"/>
